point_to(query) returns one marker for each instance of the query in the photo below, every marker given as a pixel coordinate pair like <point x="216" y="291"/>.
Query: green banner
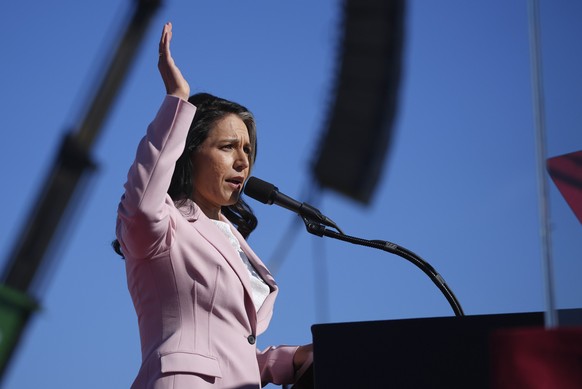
<point x="15" y="309"/>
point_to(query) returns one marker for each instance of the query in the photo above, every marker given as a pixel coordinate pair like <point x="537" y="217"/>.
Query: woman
<point x="200" y="293"/>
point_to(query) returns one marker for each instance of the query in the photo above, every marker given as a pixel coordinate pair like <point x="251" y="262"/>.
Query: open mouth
<point x="237" y="182"/>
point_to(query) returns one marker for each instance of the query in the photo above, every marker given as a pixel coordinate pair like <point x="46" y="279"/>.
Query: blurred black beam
<point x="359" y="125"/>
<point x="64" y="181"/>
<point x="46" y="214"/>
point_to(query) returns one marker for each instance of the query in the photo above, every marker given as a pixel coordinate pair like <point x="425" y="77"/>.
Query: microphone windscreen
<point x="260" y="190"/>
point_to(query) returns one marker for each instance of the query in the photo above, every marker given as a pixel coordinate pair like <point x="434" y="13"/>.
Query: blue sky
<point x="458" y="186"/>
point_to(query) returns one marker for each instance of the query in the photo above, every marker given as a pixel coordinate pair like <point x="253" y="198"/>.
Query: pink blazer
<point x="190" y="289"/>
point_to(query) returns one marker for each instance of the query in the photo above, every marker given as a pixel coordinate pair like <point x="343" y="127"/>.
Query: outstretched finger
<point x="164" y="48"/>
<point x="173" y="80"/>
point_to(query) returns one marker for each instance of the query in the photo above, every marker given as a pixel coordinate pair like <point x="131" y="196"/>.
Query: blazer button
<point x="252" y="339"/>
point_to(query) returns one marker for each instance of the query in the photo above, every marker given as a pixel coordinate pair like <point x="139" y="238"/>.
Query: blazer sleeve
<point x="276" y="365"/>
<point x="144" y="222"/>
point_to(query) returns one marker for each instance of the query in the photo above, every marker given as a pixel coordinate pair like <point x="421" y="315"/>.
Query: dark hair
<point x="209" y="110"/>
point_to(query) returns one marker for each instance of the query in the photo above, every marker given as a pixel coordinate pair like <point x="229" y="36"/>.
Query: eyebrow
<point x="233" y="140"/>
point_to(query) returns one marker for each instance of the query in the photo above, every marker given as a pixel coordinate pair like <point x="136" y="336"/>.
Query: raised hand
<point x="175" y="83"/>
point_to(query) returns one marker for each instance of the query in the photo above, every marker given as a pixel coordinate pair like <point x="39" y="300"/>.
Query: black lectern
<point x="442" y="352"/>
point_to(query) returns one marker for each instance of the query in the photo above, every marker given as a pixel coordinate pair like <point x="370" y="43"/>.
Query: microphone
<point x="268" y="193"/>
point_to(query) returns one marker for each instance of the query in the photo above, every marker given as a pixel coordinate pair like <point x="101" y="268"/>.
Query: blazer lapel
<point x="216" y="238"/>
<point x="266" y="311"/>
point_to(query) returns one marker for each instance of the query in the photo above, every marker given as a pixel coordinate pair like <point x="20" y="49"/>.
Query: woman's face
<point x="221" y="165"/>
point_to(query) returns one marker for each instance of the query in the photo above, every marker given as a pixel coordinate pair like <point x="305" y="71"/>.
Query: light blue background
<point x="458" y="186"/>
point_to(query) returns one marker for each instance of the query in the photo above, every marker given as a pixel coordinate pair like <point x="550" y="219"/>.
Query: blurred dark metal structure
<point x="56" y="197"/>
<point x="359" y="125"/>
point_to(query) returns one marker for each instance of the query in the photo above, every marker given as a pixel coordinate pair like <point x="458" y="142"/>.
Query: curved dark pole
<point x="315" y="228"/>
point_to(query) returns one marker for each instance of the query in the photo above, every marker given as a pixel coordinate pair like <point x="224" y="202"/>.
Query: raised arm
<point x="144" y="211"/>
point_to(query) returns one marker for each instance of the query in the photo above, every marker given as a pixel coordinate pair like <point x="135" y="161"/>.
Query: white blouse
<point x="260" y="289"/>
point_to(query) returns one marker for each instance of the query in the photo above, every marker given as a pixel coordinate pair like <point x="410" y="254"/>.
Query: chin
<point x="233" y="199"/>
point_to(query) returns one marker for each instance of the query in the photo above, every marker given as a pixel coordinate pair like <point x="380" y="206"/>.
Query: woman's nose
<point x="242" y="161"/>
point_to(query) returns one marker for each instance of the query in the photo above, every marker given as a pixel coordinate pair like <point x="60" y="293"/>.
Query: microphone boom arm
<point x="316" y="228"/>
